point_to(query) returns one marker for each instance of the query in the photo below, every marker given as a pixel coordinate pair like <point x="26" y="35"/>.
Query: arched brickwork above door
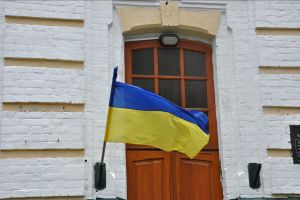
<point x="169" y="18"/>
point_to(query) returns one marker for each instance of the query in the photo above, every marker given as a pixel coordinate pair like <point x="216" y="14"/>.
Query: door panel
<point x="148" y="175"/>
<point x="199" y="178"/>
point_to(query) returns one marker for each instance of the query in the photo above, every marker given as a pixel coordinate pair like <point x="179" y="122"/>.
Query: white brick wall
<point x="98" y="80"/>
<point x="2" y="20"/>
<point x="277" y="13"/>
<point x="280" y="89"/>
<point x="42" y="130"/>
<point x="51" y="9"/>
<point x="278" y="131"/>
<point x="46" y="177"/>
<point x="244" y="131"/>
<point x="38" y="84"/>
<point x="226" y="109"/>
<point x="44" y="42"/>
<point x="246" y="99"/>
<point x="285" y="176"/>
<point x="279" y="50"/>
<point x="37" y="177"/>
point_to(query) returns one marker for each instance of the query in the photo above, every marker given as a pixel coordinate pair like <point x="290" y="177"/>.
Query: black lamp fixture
<point x="254" y="175"/>
<point x="100" y="176"/>
<point x="169" y="39"/>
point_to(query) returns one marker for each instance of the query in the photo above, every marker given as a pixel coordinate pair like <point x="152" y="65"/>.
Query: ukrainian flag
<point x="137" y="116"/>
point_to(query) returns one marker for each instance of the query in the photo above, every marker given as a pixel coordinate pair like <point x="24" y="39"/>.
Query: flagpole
<point x="103" y="151"/>
<point x="100" y="168"/>
<point x="111" y="99"/>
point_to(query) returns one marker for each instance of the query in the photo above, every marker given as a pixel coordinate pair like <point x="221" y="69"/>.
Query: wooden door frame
<point x="212" y="148"/>
<point x="191" y="45"/>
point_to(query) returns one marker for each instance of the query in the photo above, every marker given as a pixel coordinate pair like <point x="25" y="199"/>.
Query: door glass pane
<point x="196" y="95"/>
<point x="147" y="84"/>
<point x="169" y="61"/>
<point x="143" y="61"/>
<point x="194" y="63"/>
<point x="170" y="89"/>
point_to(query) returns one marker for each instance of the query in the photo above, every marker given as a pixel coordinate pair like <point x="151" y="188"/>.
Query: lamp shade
<point x="169" y="39"/>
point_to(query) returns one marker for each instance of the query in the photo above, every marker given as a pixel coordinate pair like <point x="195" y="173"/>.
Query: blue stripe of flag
<point x="132" y="97"/>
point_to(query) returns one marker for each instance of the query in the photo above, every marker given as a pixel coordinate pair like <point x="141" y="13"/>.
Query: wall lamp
<point x="254" y="175"/>
<point x="169" y="39"/>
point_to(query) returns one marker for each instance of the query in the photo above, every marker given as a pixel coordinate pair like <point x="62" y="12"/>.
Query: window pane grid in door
<point x="160" y="77"/>
<point x="168" y="61"/>
<point x="196" y="94"/>
<point x="168" y="77"/>
<point x="170" y="89"/>
<point x="194" y="63"/>
<point x="143" y="61"/>
<point x="177" y="68"/>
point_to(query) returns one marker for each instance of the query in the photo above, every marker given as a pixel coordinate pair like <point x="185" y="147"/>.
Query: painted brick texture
<point x="277" y="13"/>
<point x="45" y="176"/>
<point x="2" y="25"/>
<point x="42" y="130"/>
<point x="280" y="89"/>
<point x="227" y="111"/>
<point x="37" y="84"/>
<point x="98" y="78"/>
<point x="46" y="9"/>
<point x="278" y="131"/>
<point x="37" y="41"/>
<point x="279" y="50"/>
<point x="245" y="131"/>
<point x="41" y="177"/>
<point x="245" y="100"/>
<point x="284" y="176"/>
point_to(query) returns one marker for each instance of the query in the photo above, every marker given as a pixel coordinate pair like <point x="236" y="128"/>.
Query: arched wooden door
<point x="184" y="75"/>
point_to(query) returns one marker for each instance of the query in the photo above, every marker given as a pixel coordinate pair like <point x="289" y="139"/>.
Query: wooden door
<point x="149" y="175"/>
<point x="198" y="178"/>
<point x="184" y="75"/>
